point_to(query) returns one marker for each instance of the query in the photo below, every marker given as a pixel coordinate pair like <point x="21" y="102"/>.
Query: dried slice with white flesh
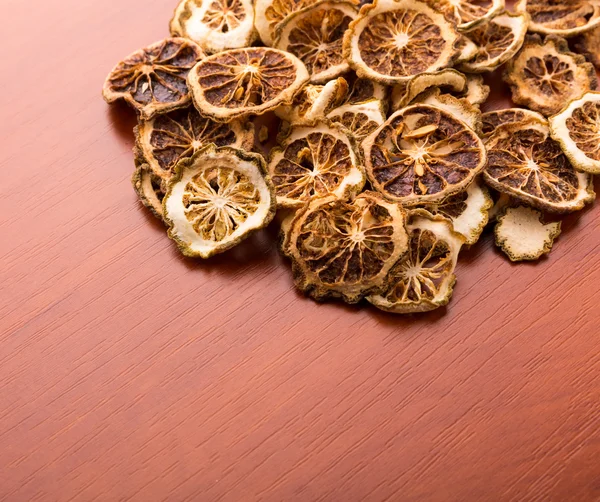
<point x="468" y="211"/>
<point x="315" y="34"/>
<point x="242" y="82"/>
<point x="527" y="164"/>
<point x="166" y="139"/>
<point x="545" y="75"/>
<point x="468" y="50"/>
<point x="359" y="120"/>
<point x="404" y="94"/>
<point x="216" y="199"/>
<point x="497" y="41"/>
<point x="393" y="40"/>
<point x="468" y="13"/>
<point x="577" y="129"/>
<point x="522" y="235"/>
<point x="316" y="160"/>
<point x="501" y="202"/>
<point x="424" y="279"/>
<point x="215" y="25"/>
<point x="477" y="92"/>
<point x="150" y="189"/>
<point x="519" y="116"/>
<point x="343" y="249"/>
<point x="563" y="18"/>
<point x="422" y="154"/>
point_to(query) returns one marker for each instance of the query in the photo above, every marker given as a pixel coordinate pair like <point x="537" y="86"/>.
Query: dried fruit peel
<point x="522" y="235"/>
<point x="216" y="199"/>
<point x="149" y="188"/>
<point x="577" y="129"/>
<point x="461" y="108"/>
<point x="477" y="91"/>
<point x="424" y="279"/>
<point x="404" y="94"/>
<point x="562" y="18"/>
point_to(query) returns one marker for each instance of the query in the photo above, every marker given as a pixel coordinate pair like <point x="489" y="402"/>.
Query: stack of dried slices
<point x="384" y="167"/>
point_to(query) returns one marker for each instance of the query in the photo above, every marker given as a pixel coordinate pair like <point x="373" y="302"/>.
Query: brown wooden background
<point x="128" y="372"/>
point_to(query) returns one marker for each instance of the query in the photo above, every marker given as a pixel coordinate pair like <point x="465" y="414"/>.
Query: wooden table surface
<point x="130" y="373"/>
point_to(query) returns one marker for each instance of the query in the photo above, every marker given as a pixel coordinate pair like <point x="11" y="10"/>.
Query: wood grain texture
<point x="130" y="373"/>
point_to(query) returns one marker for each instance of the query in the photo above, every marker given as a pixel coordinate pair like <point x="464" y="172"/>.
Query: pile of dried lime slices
<point x="384" y="166"/>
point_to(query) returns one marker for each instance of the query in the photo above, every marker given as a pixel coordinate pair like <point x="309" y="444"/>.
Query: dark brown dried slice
<point x="468" y="13"/>
<point x="588" y="44"/>
<point x="153" y="79"/>
<point x="150" y="189"/>
<point x="362" y="90"/>
<point x="424" y="279"/>
<point x="422" y="154"/>
<point x="527" y="164"/>
<point x="545" y="75"/>
<point x="315" y="161"/>
<point x="166" y="139"/>
<point x="270" y="13"/>
<point x="449" y="79"/>
<point x="243" y="82"/>
<point x="345" y="249"/>
<point x="359" y="120"/>
<point x="496" y="118"/>
<point x="393" y="40"/>
<point x="460" y="108"/>
<point x="565" y="18"/>
<point x="315" y="34"/>
<point x="216" y="25"/>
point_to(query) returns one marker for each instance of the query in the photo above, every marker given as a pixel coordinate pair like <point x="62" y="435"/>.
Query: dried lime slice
<point x="468" y="211"/>
<point x="393" y="40"/>
<point x="526" y="163"/>
<point x="270" y="13"/>
<point x="461" y="108"/>
<point x="315" y="161"/>
<point x="153" y="80"/>
<point x="520" y="116"/>
<point x="359" y="120"/>
<point x="216" y="25"/>
<point x="522" y="235"/>
<point x="564" y="18"/>
<point x="501" y="202"/>
<point x="477" y="92"/>
<point x="404" y="94"/>
<point x="315" y="35"/>
<point x="150" y="189"/>
<point x="217" y="198"/>
<point x="362" y="90"/>
<point x="497" y="40"/>
<point x="577" y="129"/>
<point x="545" y="75"/>
<point x="468" y="50"/>
<point x="468" y="13"/>
<point x="166" y="139"/>
<point x="345" y="249"/>
<point x="242" y="82"/>
<point x="422" y="154"/>
<point x="424" y="279"/>
<point x="588" y="44"/>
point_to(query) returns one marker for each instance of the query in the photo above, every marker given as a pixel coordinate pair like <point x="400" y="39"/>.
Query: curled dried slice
<point x="577" y="130"/>
<point x="166" y="139"/>
<point x="459" y="107"/>
<point x="217" y="198"/>
<point x="588" y="44"/>
<point x="545" y="75"/>
<point x="315" y="35"/>
<point x="560" y="17"/>
<point x="393" y="40"/>
<point x="243" y="82"/>
<point x="150" y="189"/>
<point x="526" y="163"/>
<point x="346" y="249"/>
<point x="216" y="25"/>
<point x="468" y="50"/>
<point x="359" y="120"/>
<point x="424" y="279"/>
<point x="422" y="154"/>
<point x="270" y="13"/>
<point x="153" y="79"/>
<point x="501" y="202"/>
<point x="362" y="90"/>
<point x="468" y="13"/>
<point x="315" y="161"/>
<point x="477" y="92"/>
<point x="497" y="41"/>
<point x="522" y="235"/>
<point x="468" y="211"/>
<point x="518" y="116"/>
<point x="404" y="94"/>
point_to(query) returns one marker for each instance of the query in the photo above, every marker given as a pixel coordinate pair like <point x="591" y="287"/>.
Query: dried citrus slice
<point x="216" y="25"/>
<point x="359" y="120"/>
<point x="242" y="82"/>
<point x="477" y="92"/>
<point x="315" y="35"/>
<point x="217" y="198"/>
<point x="393" y="40"/>
<point x="166" y="139"/>
<point x="150" y="189"/>
<point x="362" y="90"/>
<point x="422" y="154"/>
<point x="468" y="211"/>
<point x="563" y="18"/>
<point x="497" y="41"/>
<point x="314" y="102"/>
<point x="424" y="279"/>
<point x="519" y="116"/>
<point x="526" y="163"/>
<point x="577" y="129"/>
<point x="522" y="235"/>
<point x="153" y="79"/>
<point x="468" y="13"/>
<point x="315" y="161"/>
<point x="501" y="202"/>
<point x="459" y="107"/>
<point x="346" y="249"/>
<point x="270" y="13"/>
<point x="588" y="44"/>
<point x="405" y="93"/>
<point x="468" y="50"/>
<point x="545" y="75"/>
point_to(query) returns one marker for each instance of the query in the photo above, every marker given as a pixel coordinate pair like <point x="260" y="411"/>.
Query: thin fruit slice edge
<point x="461" y="108"/>
<point x="467" y="14"/>
<point x="570" y="24"/>
<point x="509" y="116"/>
<point x="404" y="94"/>
<point x="477" y="91"/>
<point x="149" y="188"/>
